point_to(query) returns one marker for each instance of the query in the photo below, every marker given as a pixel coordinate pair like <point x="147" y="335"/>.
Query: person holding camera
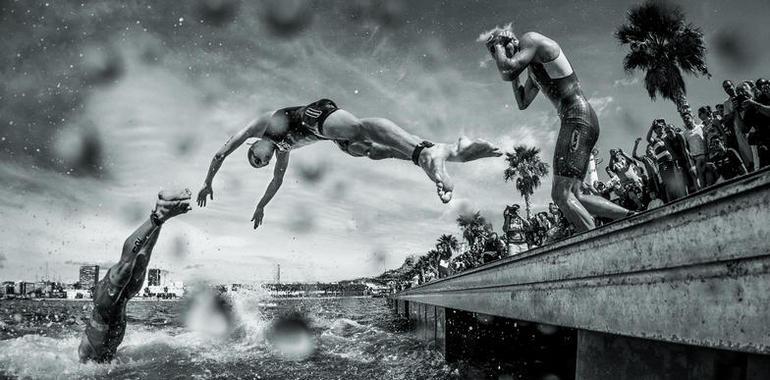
<point x="515" y="228"/>
<point x="757" y="117"/>
<point x="734" y="108"/>
<point x="672" y="174"/>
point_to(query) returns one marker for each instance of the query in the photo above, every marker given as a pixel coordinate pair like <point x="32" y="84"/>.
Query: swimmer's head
<point x="500" y="36"/>
<point x="260" y="153"/>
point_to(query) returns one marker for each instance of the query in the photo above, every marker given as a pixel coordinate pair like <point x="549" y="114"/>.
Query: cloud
<point x="2" y="260"/>
<point x="601" y="104"/>
<point x="625" y="82"/>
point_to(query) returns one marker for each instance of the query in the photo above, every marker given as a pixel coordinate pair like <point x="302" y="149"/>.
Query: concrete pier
<point x="680" y="292"/>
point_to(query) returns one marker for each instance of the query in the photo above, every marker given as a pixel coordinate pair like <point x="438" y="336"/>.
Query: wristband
<point x="418" y="149"/>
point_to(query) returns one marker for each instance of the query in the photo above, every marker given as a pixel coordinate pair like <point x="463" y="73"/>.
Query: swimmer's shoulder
<point x="547" y="49"/>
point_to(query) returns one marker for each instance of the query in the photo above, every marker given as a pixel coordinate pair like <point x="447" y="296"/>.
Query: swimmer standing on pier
<point x="549" y="70"/>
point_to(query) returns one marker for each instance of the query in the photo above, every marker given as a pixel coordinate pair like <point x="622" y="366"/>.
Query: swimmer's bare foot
<point x="433" y="161"/>
<point x="171" y="204"/>
<point x="470" y="150"/>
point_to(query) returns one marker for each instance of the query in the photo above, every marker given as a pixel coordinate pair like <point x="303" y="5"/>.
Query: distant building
<point x="160" y="284"/>
<point x="154" y="277"/>
<point x="89" y="276"/>
<point x="26" y="288"/>
<point x="8" y="287"/>
<point x="277" y="274"/>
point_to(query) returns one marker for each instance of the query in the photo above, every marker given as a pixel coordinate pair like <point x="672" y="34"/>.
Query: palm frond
<point x="665" y="80"/>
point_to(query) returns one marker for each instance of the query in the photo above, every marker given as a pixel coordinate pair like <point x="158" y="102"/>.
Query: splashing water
<point x="352" y="339"/>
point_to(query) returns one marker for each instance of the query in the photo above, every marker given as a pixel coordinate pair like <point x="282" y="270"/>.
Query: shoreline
<point x="178" y="299"/>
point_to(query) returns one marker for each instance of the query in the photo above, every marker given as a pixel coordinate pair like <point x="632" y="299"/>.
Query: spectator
<point x="494" y="249"/>
<point x="540" y="226"/>
<point x="654" y="201"/>
<point x="677" y="145"/>
<point x="712" y="129"/>
<point x="515" y="227"/>
<point x="733" y="122"/>
<point x="696" y="146"/>
<point x="671" y="173"/>
<point x="628" y="180"/>
<point x="725" y="162"/>
<point x="757" y="117"/>
<point x="654" y="183"/>
<point x="560" y="226"/>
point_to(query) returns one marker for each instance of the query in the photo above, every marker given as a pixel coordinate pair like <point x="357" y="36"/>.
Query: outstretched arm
<point x="281" y="163"/>
<point x="649" y="135"/>
<point x="636" y="147"/>
<point x="525" y="94"/>
<point x="256" y="128"/>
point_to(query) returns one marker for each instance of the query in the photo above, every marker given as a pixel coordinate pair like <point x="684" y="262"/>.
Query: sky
<point x="104" y="104"/>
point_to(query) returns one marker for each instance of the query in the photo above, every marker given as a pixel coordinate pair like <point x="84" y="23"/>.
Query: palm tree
<point x="525" y="167"/>
<point x="663" y="45"/>
<point x="473" y="230"/>
<point x="446" y="245"/>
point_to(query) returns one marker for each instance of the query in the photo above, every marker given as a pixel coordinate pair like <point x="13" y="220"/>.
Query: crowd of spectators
<point x="731" y="139"/>
<point x="481" y="244"/>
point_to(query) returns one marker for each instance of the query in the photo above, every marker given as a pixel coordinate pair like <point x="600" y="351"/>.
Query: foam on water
<point x="348" y="343"/>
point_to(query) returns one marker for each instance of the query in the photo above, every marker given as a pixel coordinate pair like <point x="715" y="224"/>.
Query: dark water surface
<point x="355" y="338"/>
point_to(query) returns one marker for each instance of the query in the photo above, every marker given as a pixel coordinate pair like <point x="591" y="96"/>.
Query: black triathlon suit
<point x="105" y="330"/>
<point x="579" y="125"/>
<point x="304" y="124"/>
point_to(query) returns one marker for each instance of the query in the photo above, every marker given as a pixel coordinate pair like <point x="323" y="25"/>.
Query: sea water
<point x="352" y="338"/>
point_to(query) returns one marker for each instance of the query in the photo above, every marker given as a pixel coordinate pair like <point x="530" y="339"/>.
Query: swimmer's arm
<point x="255" y="128"/>
<point x="649" y="136"/>
<point x="524" y="94"/>
<point x="281" y="163"/>
<point x="139" y="243"/>
<point x="513" y="67"/>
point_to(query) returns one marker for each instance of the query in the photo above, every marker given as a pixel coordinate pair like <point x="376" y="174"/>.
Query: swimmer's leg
<point x="345" y="126"/>
<point x="124" y="280"/>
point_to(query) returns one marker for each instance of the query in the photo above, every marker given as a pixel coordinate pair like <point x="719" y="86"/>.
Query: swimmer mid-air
<point x="105" y="330"/>
<point x="290" y="128"/>
<point x="550" y="71"/>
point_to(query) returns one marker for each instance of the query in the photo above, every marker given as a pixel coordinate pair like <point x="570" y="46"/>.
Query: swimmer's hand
<point x="206" y="191"/>
<point x="259" y="213"/>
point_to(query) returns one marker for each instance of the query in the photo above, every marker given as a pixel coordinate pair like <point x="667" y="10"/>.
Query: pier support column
<point x="402" y="308"/>
<point x="607" y="356"/>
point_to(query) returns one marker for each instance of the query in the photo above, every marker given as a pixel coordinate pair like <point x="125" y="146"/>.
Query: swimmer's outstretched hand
<point x="206" y="191"/>
<point x="259" y="213"/>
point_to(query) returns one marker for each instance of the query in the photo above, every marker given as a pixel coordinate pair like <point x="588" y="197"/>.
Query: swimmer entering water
<point x="105" y="330"/>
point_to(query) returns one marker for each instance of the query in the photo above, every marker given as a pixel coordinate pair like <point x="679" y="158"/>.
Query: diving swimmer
<point x="549" y="70"/>
<point x="105" y="330"/>
<point x="286" y="129"/>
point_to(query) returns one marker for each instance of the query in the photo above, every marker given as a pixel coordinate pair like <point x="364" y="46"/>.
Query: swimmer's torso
<point x="557" y="80"/>
<point x="286" y="130"/>
<point x="295" y="127"/>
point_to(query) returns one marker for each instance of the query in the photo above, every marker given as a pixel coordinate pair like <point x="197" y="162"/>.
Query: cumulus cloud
<point x="601" y="104"/>
<point x="625" y="82"/>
